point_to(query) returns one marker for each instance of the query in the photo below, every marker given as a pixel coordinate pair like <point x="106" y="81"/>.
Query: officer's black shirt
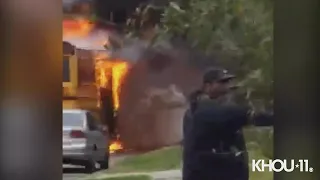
<point x="210" y="125"/>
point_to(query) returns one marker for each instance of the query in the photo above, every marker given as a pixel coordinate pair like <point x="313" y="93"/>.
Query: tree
<point x="239" y="32"/>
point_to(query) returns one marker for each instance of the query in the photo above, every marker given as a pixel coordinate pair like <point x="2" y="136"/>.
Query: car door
<point x="96" y="137"/>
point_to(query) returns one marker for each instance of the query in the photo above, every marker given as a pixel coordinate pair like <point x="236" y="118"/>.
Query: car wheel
<point x="105" y="163"/>
<point x="92" y="166"/>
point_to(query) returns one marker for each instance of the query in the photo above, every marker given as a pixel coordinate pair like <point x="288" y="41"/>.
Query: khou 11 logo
<point x="278" y="165"/>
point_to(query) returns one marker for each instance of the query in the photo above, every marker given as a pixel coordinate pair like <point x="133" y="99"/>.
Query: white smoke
<point x="93" y="41"/>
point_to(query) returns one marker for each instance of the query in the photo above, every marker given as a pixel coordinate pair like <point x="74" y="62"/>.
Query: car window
<point x="92" y="124"/>
<point x="72" y="119"/>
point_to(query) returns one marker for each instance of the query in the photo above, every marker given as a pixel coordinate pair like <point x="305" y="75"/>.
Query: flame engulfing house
<point x="91" y="79"/>
<point x="150" y="109"/>
<point x="94" y="81"/>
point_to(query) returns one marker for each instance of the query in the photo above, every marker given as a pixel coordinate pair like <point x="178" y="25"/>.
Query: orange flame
<point x="76" y="27"/>
<point x="115" y="146"/>
<point x="119" y="70"/>
<point x="106" y="70"/>
<point x="113" y="71"/>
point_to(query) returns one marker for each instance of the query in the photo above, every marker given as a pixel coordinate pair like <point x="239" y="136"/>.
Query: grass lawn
<point x="170" y="158"/>
<point x="140" y="177"/>
<point x="256" y="153"/>
<point x="163" y="159"/>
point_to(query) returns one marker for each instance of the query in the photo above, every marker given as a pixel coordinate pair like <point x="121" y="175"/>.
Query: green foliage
<point x="144" y="17"/>
<point x="238" y="31"/>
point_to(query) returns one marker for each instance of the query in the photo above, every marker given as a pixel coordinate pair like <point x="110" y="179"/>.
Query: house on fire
<point x="149" y="128"/>
<point x="80" y="88"/>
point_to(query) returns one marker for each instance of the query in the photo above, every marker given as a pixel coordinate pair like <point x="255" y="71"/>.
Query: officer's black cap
<point x="217" y="75"/>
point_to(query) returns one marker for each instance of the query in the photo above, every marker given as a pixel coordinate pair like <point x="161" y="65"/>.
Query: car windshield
<point x="72" y="119"/>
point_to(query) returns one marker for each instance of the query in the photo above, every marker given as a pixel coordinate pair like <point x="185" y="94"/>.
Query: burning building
<point x="91" y="79"/>
<point x="96" y="82"/>
<point x="149" y="113"/>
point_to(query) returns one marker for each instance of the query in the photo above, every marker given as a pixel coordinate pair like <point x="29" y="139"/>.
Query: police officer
<point x="214" y="147"/>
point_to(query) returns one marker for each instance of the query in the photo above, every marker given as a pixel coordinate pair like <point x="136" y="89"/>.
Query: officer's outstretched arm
<point x="261" y="119"/>
<point x="243" y="116"/>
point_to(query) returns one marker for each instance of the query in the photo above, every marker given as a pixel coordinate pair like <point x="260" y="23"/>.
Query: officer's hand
<point x="262" y="119"/>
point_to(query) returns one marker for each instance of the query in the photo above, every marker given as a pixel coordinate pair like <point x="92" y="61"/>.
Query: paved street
<point x="73" y="172"/>
<point x="76" y="172"/>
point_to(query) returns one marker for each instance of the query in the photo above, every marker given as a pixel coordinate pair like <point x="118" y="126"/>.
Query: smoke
<point x="159" y="64"/>
<point x="132" y="50"/>
<point x="93" y="41"/>
<point x="152" y="95"/>
<point x="69" y="4"/>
